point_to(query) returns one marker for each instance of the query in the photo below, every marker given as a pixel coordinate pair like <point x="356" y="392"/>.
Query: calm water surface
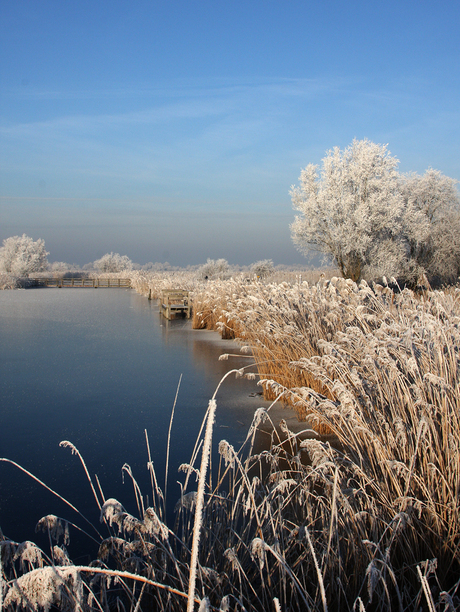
<point x="97" y="368"/>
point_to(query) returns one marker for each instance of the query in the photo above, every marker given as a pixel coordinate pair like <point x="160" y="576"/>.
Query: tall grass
<point x="371" y="523"/>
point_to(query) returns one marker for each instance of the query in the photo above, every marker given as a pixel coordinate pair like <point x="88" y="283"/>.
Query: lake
<point x="97" y="368"/>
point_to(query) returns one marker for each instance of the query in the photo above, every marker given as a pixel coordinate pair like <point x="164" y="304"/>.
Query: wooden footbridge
<point x="173" y="302"/>
<point x="81" y="282"/>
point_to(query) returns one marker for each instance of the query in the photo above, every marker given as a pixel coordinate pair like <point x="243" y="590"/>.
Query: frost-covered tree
<point x="445" y="261"/>
<point x="262" y="268"/>
<point x="353" y="211"/>
<point x="113" y="262"/>
<point x="22" y="256"/>
<point x="214" y="268"/>
<point x="60" y="266"/>
<point x="436" y="197"/>
<point x="157" y="266"/>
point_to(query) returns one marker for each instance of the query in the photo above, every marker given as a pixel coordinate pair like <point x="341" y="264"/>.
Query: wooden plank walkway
<point x="93" y="283"/>
<point x="174" y="302"/>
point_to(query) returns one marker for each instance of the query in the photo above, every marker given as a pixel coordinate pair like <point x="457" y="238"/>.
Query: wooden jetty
<point x="175" y="302"/>
<point x="81" y="282"/>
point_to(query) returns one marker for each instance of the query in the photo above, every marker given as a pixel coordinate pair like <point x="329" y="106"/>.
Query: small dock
<point x="94" y="283"/>
<point x="175" y="302"/>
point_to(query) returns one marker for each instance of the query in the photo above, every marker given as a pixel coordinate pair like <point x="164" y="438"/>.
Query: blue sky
<point x="172" y="130"/>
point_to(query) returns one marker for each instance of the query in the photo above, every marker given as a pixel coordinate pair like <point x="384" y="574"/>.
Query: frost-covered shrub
<point x="60" y="267"/>
<point x="262" y="268"/>
<point x="214" y="268"/>
<point x="113" y="262"/>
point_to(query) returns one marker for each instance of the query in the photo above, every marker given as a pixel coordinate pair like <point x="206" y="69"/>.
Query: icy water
<point x="97" y="368"/>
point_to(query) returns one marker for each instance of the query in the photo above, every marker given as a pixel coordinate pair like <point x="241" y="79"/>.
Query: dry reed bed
<point x="154" y="283"/>
<point x="209" y="297"/>
<point x="280" y="322"/>
<point x="301" y="526"/>
<point x="378" y="369"/>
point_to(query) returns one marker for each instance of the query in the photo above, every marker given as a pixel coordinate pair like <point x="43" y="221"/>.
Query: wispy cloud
<point x="237" y="139"/>
<point x="182" y="87"/>
<point x="207" y="122"/>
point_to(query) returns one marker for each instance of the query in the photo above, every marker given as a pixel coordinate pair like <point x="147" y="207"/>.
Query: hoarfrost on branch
<point x="373" y="221"/>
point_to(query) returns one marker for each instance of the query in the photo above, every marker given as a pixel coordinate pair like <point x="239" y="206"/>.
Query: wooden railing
<point x="81" y="282"/>
<point x="174" y="302"/>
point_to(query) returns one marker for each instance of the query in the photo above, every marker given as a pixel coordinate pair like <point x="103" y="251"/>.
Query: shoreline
<point x="253" y="400"/>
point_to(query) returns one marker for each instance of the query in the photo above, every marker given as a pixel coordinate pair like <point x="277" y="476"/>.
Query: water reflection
<point x="98" y="368"/>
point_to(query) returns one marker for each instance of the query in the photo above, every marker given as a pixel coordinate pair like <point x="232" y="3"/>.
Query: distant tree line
<point x="358" y="210"/>
<point x="21" y="256"/>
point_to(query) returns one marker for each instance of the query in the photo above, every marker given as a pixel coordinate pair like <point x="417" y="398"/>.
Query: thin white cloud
<point x="180" y="88"/>
<point x="239" y="140"/>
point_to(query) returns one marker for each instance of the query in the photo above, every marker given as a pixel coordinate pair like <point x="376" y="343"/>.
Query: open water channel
<point x="97" y="368"/>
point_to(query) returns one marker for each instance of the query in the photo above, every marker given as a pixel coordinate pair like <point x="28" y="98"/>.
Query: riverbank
<point x="308" y="525"/>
